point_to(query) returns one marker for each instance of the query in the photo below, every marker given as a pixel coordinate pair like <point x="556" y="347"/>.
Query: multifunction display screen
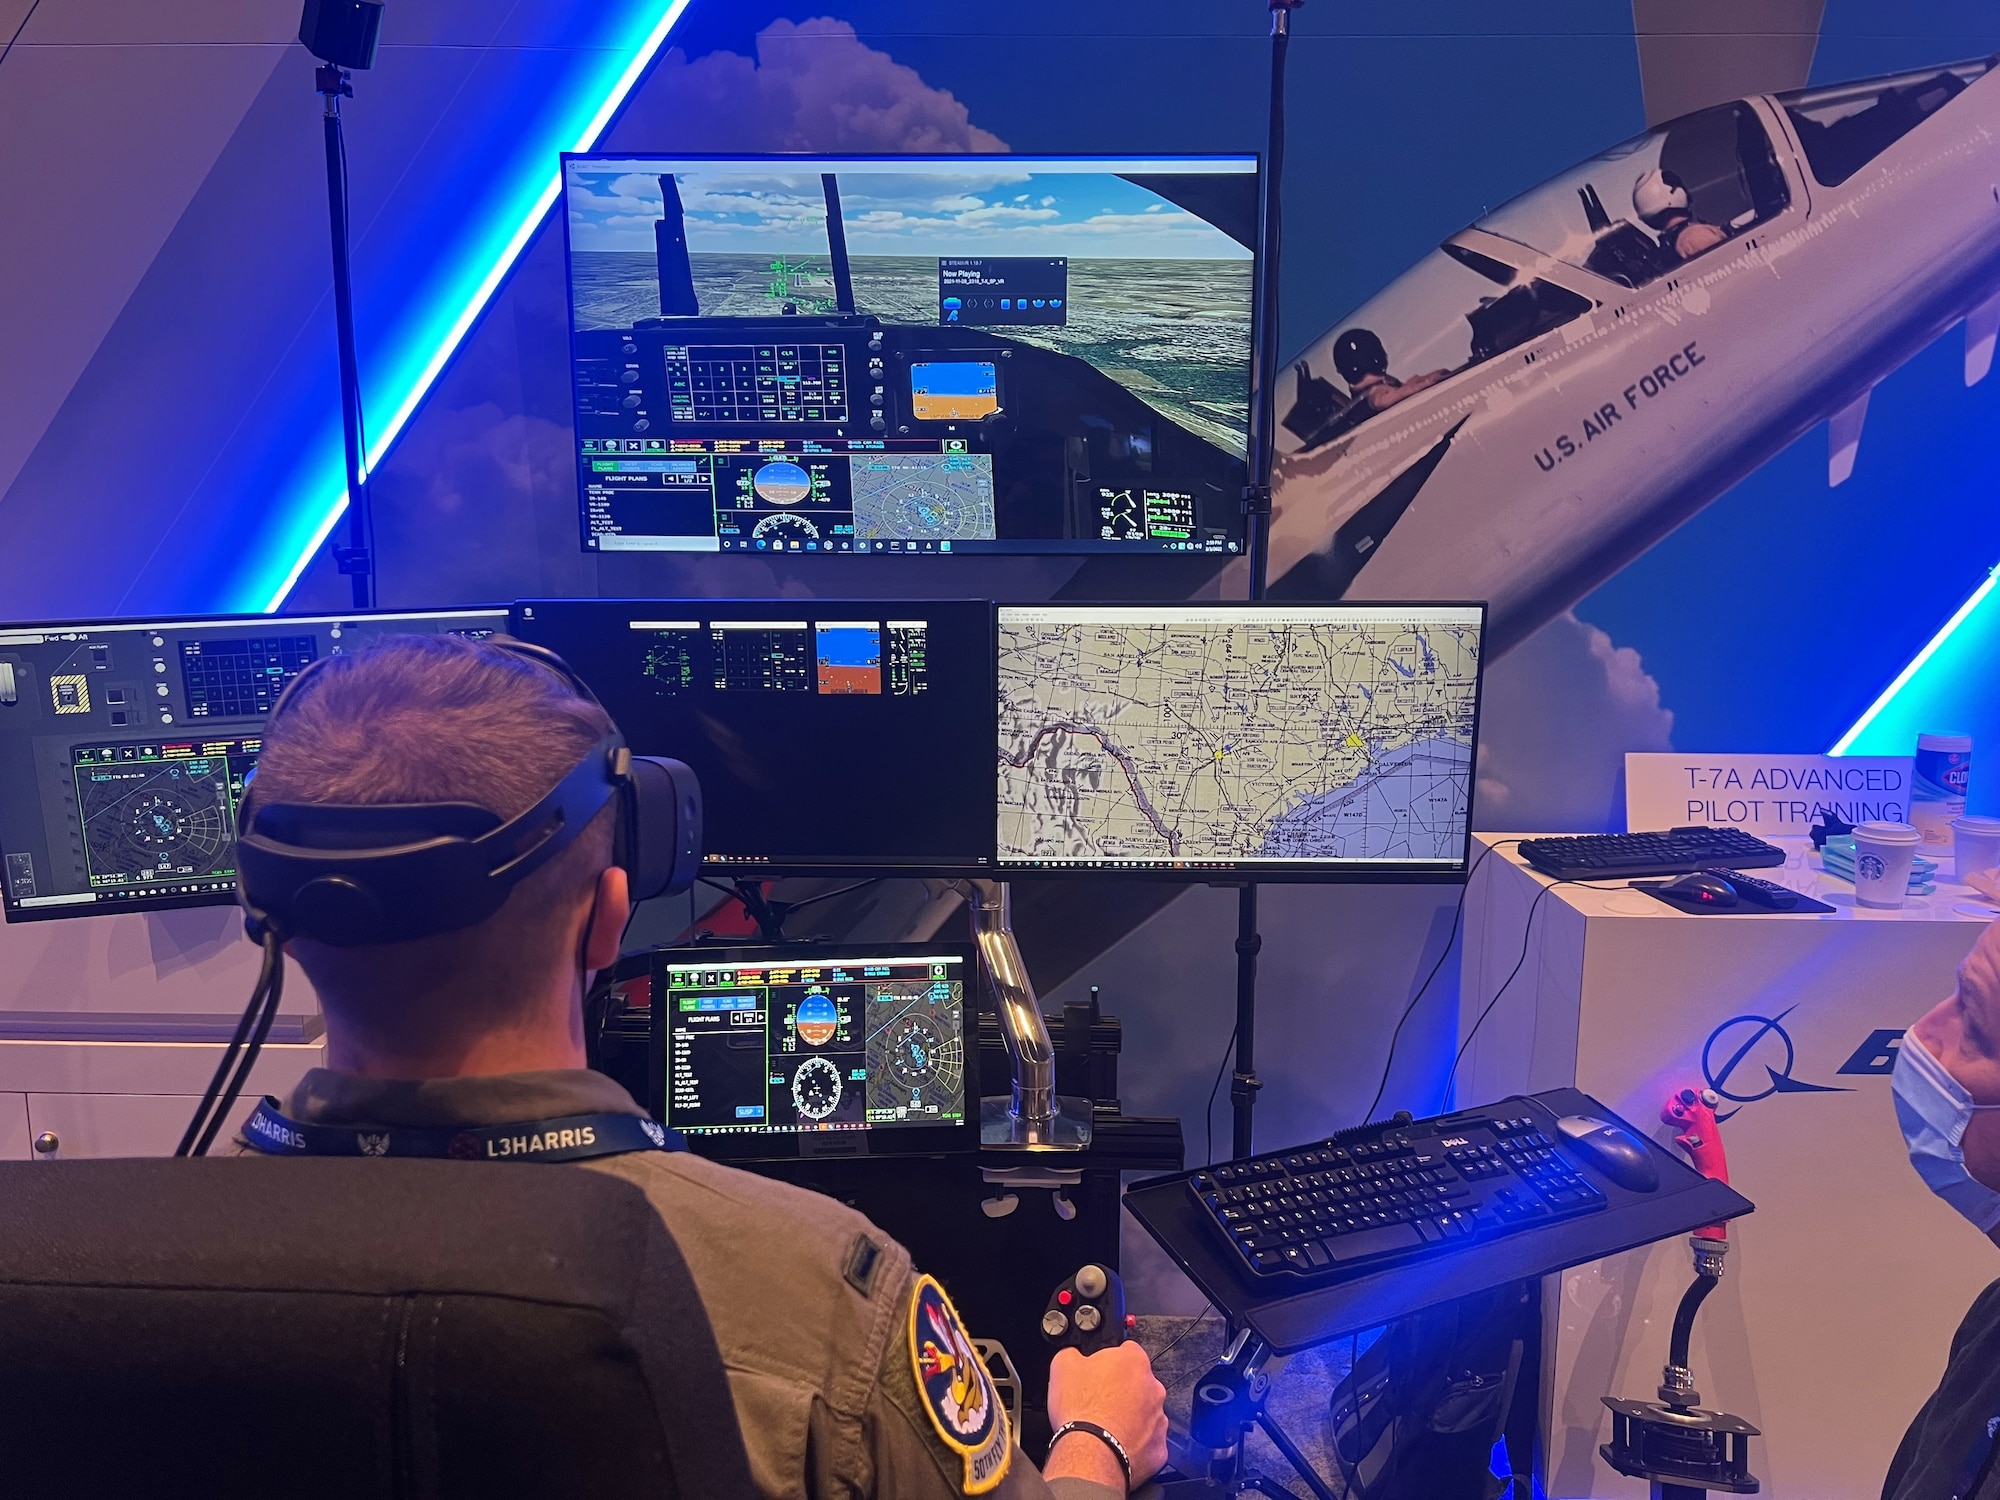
<point x="816" y="1045"/>
<point x="829" y="735"/>
<point x="124" y="748"/>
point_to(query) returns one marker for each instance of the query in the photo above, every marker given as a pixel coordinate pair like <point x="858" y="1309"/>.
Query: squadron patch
<point x="957" y="1390"/>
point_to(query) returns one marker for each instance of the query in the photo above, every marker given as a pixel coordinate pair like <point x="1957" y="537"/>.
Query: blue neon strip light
<point x="429" y="349"/>
<point x="1954" y="657"/>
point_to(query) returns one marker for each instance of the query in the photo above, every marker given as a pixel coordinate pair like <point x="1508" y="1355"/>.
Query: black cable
<point x="1527" y="932"/>
<point x="1208" y="1115"/>
<point x="272" y="995"/>
<point x="4" y="51"/>
<point x="792" y="906"/>
<point x="266" y="977"/>
<point x="1175" y="1342"/>
<point x="1457" y="915"/>
<point x="1527" y="936"/>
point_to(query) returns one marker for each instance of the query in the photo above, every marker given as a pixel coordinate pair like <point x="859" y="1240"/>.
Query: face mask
<point x="1933" y="1108"/>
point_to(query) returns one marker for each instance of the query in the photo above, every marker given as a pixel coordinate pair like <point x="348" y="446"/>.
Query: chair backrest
<point x="352" y="1328"/>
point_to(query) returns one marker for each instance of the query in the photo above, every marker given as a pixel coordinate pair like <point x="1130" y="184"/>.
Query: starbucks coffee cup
<point x="1883" y="853"/>
<point x="1977" y="842"/>
<point x="1937" y="788"/>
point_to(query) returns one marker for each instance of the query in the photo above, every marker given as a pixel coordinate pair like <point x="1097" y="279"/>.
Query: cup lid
<point x="1888" y="833"/>
<point x="1976" y="823"/>
<point x="1946" y="742"/>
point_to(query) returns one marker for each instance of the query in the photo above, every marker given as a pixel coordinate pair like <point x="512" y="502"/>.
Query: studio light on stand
<point x="1243" y="1082"/>
<point x="343" y="34"/>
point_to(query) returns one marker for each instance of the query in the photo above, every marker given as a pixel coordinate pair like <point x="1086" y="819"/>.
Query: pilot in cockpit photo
<point x="1660" y="199"/>
<point x="1364" y="364"/>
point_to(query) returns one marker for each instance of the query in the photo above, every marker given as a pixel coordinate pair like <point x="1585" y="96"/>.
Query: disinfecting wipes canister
<point x="1937" y="790"/>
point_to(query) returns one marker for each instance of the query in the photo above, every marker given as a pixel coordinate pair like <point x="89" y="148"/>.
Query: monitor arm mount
<point x="1032" y="1118"/>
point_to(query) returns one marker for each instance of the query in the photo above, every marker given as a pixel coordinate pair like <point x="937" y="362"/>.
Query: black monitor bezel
<point x="956" y="159"/>
<point x="771" y="1146"/>
<point x="1340" y="872"/>
<point x="143" y="905"/>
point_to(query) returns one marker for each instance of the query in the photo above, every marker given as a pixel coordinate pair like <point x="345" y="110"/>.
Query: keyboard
<point x="1391" y="1192"/>
<point x="1678" y="851"/>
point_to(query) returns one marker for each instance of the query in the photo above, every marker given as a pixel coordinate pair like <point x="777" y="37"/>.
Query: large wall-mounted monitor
<point x="1205" y="741"/>
<point x="911" y="356"/>
<point x="124" y="747"/>
<point x="830" y="735"/>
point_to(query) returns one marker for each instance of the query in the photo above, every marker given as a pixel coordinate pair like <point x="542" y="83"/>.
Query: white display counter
<point x="1843" y="1289"/>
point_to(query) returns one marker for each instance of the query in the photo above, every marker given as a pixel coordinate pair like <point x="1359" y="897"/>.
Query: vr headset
<point x="354" y="876"/>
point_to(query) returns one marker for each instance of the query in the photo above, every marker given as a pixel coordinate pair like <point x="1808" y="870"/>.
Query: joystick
<point x="1087" y="1312"/>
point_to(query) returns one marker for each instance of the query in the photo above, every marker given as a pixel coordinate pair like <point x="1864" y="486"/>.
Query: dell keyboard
<point x="1390" y="1192"/>
<point x="1678" y="851"/>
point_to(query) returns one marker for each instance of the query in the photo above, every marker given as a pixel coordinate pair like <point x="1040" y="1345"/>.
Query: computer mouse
<point x="1704" y="889"/>
<point x="1613" y="1150"/>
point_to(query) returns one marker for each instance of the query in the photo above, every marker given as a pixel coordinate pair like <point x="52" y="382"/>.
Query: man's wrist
<point x="1088" y="1451"/>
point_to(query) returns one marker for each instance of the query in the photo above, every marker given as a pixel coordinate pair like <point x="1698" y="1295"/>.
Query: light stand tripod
<point x="1243" y="1082"/>
<point x="356" y="559"/>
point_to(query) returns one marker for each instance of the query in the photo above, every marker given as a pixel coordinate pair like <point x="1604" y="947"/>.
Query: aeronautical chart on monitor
<point x="1303" y="739"/>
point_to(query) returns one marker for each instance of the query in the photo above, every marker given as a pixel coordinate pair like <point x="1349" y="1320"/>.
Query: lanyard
<point x="566" y="1138"/>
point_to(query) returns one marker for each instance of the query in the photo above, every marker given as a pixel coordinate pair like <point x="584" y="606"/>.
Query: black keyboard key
<point x="1345" y="1249"/>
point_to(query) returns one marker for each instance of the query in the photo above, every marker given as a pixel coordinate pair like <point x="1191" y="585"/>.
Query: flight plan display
<point x="1289" y="741"/>
<point x="782" y="1045"/>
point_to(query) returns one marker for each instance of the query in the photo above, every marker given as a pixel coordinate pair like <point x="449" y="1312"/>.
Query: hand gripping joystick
<point x="1087" y="1312"/>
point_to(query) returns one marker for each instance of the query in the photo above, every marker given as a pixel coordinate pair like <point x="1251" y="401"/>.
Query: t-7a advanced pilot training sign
<point x="1764" y="794"/>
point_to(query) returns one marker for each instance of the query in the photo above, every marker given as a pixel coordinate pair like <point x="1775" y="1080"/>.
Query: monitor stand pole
<point x="356" y="559"/>
<point x="1243" y="1082"/>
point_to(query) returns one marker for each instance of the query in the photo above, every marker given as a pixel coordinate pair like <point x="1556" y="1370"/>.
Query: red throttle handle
<point x="1692" y="1115"/>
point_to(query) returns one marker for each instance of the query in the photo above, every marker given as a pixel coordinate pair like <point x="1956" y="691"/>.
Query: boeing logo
<point x="1748" y="1058"/>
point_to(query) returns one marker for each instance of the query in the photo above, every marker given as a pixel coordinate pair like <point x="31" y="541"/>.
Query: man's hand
<point x="1114" y="1388"/>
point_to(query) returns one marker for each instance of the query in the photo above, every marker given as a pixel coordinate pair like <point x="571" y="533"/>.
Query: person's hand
<point x="1116" y="1389"/>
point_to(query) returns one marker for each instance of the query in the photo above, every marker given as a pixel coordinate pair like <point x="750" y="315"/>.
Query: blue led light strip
<point x="1917" y="663"/>
<point x="403" y="405"/>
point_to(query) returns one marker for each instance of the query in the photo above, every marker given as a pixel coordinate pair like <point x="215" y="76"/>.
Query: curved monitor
<point x="911" y="355"/>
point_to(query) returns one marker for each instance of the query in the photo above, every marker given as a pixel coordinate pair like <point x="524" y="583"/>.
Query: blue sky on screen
<point x="935" y="210"/>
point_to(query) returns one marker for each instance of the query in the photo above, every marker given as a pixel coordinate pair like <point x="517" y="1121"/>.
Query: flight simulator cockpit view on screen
<point x="906" y="355"/>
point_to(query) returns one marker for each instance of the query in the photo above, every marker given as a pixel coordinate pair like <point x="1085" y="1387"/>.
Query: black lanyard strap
<point x="566" y="1138"/>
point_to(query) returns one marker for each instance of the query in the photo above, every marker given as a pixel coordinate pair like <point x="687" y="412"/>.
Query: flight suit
<point x="812" y="1306"/>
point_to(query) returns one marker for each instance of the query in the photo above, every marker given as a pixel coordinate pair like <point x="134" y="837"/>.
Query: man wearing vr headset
<point x="850" y="1372"/>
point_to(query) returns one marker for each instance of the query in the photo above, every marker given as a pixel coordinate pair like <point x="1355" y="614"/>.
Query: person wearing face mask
<point x="1947" y="1088"/>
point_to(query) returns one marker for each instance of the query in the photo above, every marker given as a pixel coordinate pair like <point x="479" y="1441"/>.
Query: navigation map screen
<point x="124" y="747"/>
<point x="829" y="735"/>
<point x="1303" y="742"/>
<point x="908" y="354"/>
<point x="791" y="1051"/>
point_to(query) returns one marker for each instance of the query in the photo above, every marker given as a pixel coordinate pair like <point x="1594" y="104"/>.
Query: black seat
<point x="351" y="1328"/>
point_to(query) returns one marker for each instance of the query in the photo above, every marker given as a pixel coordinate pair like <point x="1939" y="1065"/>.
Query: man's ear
<point x="608" y="915"/>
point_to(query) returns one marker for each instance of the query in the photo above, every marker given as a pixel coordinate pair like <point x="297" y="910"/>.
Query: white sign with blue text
<point x="1768" y="795"/>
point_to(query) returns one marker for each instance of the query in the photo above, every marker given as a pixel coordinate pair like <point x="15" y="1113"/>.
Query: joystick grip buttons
<point x="1087" y="1312"/>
